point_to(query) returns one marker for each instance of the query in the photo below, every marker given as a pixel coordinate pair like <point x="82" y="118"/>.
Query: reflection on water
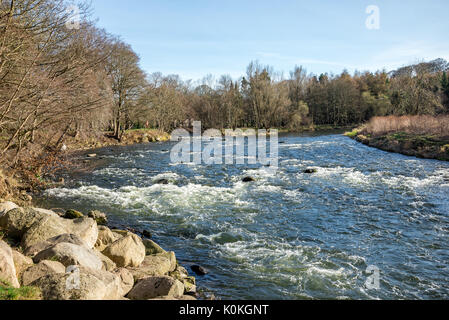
<point x="289" y="235"/>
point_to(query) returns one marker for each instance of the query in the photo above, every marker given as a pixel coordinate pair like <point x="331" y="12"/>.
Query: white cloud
<point x="299" y="60"/>
<point x="406" y="53"/>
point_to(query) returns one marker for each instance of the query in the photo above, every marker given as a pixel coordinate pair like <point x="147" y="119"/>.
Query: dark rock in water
<point x="310" y="171"/>
<point x="199" y="270"/>
<point x="161" y="181"/>
<point x="146" y="234"/>
<point x="281" y="142"/>
<point x="248" y="179"/>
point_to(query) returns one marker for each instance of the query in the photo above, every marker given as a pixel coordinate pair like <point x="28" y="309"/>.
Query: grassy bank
<point x="420" y="136"/>
<point x="24" y="293"/>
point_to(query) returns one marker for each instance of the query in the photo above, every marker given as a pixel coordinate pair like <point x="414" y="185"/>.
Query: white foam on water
<point x="290" y="162"/>
<point x="414" y="182"/>
<point x="167" y="175"/>
<point x="307" y="145"/>
<point x="161" y="199"/>
<point x="118" y="172"/>
<point x="331" y="273"/>
<point x="294" y="195"/>
<point x="349" y="176"/>
<point x="268" y="188"/>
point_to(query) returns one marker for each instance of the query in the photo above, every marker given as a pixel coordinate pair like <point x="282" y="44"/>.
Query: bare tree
<point x="127" y="82"/>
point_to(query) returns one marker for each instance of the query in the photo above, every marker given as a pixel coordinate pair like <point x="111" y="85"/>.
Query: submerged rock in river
<point x="161" y="181"/>
<point x="199" y="270"/>
<point x="248" y="179"/>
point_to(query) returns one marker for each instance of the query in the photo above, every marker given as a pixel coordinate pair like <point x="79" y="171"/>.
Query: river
<point x="289" y="235"/>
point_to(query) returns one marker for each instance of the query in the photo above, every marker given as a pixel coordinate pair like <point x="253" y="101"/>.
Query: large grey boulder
<point x="7" y="206"/>
<point x="128" y="251"/>
<point x="21" y="262"/>
<point x="69" y="254"/>
<point x="127" y="280"/>
<point x="108" y="264"/>
<point x="48" y="227"/>
<point x="81" y="284"/>
<point x="121" y="233"/>
<point x="86" y="229"/>
<point x="41" y="269"/>
<point x="171" y="257"/>
<point x="34" y="249"/>
<point x="7" y="267"/>
<point x="154" y="287"/>
<point x="111" y="281"/>
<point x="70" y="286"/>
<point x="44" y="229"/>
<point x="105" y="238"/>
<point x="150" y="267"/>
<point x="152" y="247"/>
<point x="16" y="222"/>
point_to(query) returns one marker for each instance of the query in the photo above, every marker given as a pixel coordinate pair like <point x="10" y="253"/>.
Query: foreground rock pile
<point x="74" y="258"/>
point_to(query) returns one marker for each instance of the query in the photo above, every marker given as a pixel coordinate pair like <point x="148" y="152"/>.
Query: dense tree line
<point x="264" y="98"/>
<point x="58" y="82"/>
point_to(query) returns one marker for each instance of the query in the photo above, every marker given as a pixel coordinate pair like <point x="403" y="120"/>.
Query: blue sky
<point x="194" y="38"/>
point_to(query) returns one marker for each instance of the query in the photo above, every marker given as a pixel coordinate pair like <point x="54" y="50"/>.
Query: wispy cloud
<point x="408" y="52"/>
<point x="301" y="60"/>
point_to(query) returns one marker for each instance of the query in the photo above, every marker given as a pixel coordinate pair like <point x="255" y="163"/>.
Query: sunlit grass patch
<point x="25" y="293"/>
<point x="352" y="133"/>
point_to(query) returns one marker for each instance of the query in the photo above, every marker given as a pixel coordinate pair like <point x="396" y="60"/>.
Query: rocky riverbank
<point x="17" y="184"/>
<point x="46" y="255"/>
<point x="421" y="146"/>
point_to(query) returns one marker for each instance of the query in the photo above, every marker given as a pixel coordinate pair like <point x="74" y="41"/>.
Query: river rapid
<point x="288" y="235"/>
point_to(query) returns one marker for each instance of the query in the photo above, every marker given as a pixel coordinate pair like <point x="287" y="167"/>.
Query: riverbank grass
<point x="352" y="134"/>
<point x="24" y="293"/>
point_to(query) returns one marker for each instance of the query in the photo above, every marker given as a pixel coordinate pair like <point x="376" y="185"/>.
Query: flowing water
<point x="289" y="235"/>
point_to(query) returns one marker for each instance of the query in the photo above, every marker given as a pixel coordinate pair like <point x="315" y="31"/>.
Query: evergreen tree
<point x="445" y="84"/>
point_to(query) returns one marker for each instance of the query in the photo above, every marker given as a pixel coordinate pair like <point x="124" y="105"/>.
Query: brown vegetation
<point x="416" y="125"/>
<point x="420" y="136"/>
